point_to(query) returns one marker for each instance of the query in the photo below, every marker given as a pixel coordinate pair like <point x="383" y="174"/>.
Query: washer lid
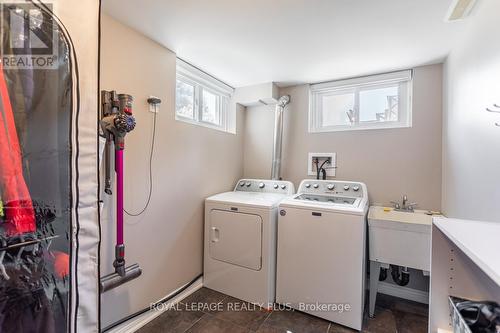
<point x="345" y="205"/>
<point x="253" y="199"/>
<point x="328" y="199"/>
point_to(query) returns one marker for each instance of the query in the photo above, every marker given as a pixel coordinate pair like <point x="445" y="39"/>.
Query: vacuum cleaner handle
<point x="119" y="262"/>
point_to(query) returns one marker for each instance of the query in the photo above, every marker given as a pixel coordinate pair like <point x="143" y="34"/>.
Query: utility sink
<point x="400" y="238"/>
<point x="405" y="219"/>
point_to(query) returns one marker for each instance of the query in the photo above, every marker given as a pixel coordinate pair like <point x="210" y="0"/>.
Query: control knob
<point x="346" y="187"/>
<point x="276" y="186"/>
<point x="283" y="186"/>
<point x="262" y="185"/>
<point x="248" y="184"/>
<point x="356" y="188"/>
<point x="330" y="187"/>
<point x="315" y="185"/>
<point x="242" y="184"/>
<point x="308" y="185"/>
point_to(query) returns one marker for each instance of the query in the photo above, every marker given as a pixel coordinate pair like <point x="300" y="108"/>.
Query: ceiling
<point x="245" y="42"/>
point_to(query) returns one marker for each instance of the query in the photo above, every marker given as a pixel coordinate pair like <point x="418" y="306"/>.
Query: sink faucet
<point x="405" y="200"/>
<point x="404" y="206"/>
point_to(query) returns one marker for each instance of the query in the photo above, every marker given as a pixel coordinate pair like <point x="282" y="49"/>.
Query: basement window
<point x="371" y="102"/>
<point x="201" y="99"/>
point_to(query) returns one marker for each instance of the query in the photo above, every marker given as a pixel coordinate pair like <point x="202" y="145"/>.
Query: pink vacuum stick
<point x="119" y="195"/>
<point x="120" y="246"/>
<point x="116" y="122"/>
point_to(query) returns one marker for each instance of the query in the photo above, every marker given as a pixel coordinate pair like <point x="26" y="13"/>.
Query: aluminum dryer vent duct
<point x="278" y="136"/>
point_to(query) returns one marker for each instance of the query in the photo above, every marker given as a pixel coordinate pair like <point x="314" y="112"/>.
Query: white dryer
<point x="321" y="250"/>
<point x="240" y="240"/>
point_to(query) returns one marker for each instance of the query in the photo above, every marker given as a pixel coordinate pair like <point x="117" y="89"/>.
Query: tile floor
<point x="208" y="311"/>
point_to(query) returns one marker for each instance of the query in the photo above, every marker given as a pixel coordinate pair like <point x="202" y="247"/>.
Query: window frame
<point x="201" y="82"/>
<point x="219" y="106"/>
<point x="402" y="79"/>
<point x="193" y="84"/>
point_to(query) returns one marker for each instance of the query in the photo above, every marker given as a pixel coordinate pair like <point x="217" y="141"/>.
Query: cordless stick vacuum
<point x="116" y="121"/>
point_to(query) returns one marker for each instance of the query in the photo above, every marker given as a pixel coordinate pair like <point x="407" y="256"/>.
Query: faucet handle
<point x="412" y="205"/>
<point x="396" y="204"/>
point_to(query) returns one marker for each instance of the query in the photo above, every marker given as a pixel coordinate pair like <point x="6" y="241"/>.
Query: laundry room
<point x="288" y="166"/>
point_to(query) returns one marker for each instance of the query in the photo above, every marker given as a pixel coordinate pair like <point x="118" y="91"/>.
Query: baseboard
<point x="411" y="294"/>
<point x="136" y="323"/>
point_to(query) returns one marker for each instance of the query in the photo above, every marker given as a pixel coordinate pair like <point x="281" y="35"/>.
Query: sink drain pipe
<point x="383" y="274"/>
<point x="400" y="275"/>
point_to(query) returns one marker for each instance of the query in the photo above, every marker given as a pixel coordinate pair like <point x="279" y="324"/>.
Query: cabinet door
<point x="236" y="238"/>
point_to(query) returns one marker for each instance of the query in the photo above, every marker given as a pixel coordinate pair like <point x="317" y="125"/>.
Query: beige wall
<point x="392" y="162"/>
<point x="471" y="141"/>
<point x="258" y="141"/>
<point x="190" y="164"/>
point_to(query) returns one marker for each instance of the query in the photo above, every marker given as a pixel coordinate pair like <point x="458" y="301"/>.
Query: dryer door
<point x="236" y="238"/>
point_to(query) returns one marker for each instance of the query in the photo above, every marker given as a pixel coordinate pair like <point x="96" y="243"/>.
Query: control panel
<point x="332" y="187"/>
<point x="265" y="186"/>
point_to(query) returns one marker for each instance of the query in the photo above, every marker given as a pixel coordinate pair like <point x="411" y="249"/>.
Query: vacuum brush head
<point x="114" y="280"/>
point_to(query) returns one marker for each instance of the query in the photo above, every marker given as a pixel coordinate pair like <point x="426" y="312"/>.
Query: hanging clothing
<point x="18" y="207"/>
<point x="24" y="305"/>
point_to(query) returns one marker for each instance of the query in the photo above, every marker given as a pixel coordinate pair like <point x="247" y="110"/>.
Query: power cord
<point x="150" y="170"/>
<point x="153" y="306"/>
<point x="321" y="169"/>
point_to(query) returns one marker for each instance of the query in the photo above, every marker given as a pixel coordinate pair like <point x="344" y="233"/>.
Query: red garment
<point x="18" y="207"/>
<point x="61" y="264"/>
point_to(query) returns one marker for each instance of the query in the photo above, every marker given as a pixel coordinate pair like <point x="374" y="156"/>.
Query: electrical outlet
<point x="155" y="108"/>
<point x="330" y="165"/>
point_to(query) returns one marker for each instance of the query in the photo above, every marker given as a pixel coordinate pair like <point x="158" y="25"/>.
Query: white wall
<point x="392" y="162"/>
<point x="190" y="163"/>
<point x="471" y="141"/>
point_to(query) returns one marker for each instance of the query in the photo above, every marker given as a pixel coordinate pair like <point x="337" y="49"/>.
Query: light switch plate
<point x="329" y="167"/>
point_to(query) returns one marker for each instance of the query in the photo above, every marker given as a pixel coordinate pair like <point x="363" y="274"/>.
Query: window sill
<point x="203" y="124"/>
<point x="358" y="128"/>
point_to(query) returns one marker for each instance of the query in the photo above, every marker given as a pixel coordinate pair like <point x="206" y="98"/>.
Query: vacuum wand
<point x="116" y="121"/>
<point x="119" y="262"/>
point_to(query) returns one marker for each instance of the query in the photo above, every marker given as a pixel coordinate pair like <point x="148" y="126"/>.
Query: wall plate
<point x="152" y="108"/>
<point x="329" y="167"/>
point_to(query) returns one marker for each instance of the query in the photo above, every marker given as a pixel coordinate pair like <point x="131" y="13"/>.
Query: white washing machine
<point x="321" y="250"/>
<point x="240" y="240"/>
